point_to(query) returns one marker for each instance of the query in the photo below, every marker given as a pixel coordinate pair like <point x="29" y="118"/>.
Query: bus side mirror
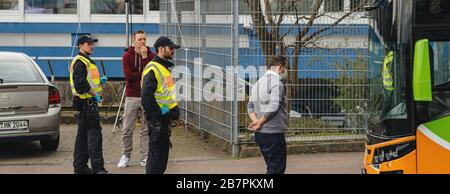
<point x="421" y="72"/>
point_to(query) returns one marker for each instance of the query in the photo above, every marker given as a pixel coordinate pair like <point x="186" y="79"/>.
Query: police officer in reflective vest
<point x="388" y="82"/>
<point x="85" y="82"/>
<point x="159" y="102"/>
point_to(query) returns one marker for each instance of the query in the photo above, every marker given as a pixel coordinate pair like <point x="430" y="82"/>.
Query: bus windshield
<point x="440" y="105"/>
<point x="388" y="115"/>
<point x="389" y="58"/>
<point x="432" y="11"/>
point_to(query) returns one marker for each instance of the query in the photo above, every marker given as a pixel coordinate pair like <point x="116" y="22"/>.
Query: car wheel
<point x="50" y="145"/>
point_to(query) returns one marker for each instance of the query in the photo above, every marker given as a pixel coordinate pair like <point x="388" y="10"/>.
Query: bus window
<point x="440" y="104"/>
<point x="387" y="103"/>
<point x="436" y="12"/>
<point x="441" y="62"/>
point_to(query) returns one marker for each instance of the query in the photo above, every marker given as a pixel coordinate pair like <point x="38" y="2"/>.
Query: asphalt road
<point x="190" y="155"/>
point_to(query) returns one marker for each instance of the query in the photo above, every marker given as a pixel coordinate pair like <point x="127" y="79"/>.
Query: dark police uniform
<point x="159" y="95"/>
<point x="84" y="75"/>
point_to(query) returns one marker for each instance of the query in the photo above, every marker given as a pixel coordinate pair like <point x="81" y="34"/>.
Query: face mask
<point x="284" y="75"/>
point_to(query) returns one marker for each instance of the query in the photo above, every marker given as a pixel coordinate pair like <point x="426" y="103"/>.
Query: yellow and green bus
<point x="409" y="95"/>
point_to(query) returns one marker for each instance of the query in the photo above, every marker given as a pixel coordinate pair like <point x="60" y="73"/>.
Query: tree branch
<point x="353" y="10"/>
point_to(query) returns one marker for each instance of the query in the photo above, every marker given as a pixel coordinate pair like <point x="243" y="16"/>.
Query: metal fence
<point x="225" y="48"/>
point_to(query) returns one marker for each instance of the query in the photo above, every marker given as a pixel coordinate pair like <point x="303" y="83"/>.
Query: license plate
<point x="13" y="125"/>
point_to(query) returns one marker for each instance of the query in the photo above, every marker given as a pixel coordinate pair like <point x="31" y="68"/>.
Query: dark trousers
<point x="88" y="143"/>
<point x="273" y="148"/>
<point x="159" y="145"/>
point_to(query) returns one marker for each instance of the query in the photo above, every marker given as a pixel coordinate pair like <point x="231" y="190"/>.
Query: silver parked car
<point x="30" y="106"/>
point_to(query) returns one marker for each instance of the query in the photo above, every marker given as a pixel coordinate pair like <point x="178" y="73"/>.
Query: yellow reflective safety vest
<point x="388" y="81"/>
<point x="93" y="76"/>
<point x="165" y="93"/>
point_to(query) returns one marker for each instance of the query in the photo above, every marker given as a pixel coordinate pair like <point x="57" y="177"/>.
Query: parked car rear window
<point x="18" y="70"/>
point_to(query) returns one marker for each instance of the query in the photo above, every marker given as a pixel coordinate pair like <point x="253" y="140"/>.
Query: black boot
<point x="84" y="170"/>
<point x="103" y="172"/>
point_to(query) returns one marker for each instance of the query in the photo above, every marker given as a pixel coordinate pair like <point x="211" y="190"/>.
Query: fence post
<point x="202" y="32"/>
<point x="235" y="58"/>
<point x="168" y="16"/>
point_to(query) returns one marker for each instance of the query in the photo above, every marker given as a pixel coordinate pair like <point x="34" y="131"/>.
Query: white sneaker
<point x="123" y="163"/>
<point x="143" y="163"/>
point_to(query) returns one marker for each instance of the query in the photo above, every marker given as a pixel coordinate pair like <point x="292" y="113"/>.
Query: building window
<point x="9" y="4"/>
<point x="357" y="5"/>
<point x="185" y="5"/>
<point x="297" y="6"/>
<point x="115" y="6"/>
<point x="244" y="8"/>
<point x="51" y="7"/>
<point x="153" y="5"/>
<point x="334" y="5"/>
<point x="216" y="7"/>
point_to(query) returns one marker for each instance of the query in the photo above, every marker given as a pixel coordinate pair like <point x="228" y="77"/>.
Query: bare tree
<point x="269" y="16"/>
<point x="301" y="15"/>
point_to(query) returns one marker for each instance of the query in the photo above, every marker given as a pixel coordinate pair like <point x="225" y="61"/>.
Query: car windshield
<point x="18" y="71"/>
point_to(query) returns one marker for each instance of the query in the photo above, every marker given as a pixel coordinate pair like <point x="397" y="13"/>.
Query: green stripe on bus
<point x="440" y="127"/>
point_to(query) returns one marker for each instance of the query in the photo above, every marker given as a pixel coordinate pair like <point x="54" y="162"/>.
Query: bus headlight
<point x="392" y="152"/>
